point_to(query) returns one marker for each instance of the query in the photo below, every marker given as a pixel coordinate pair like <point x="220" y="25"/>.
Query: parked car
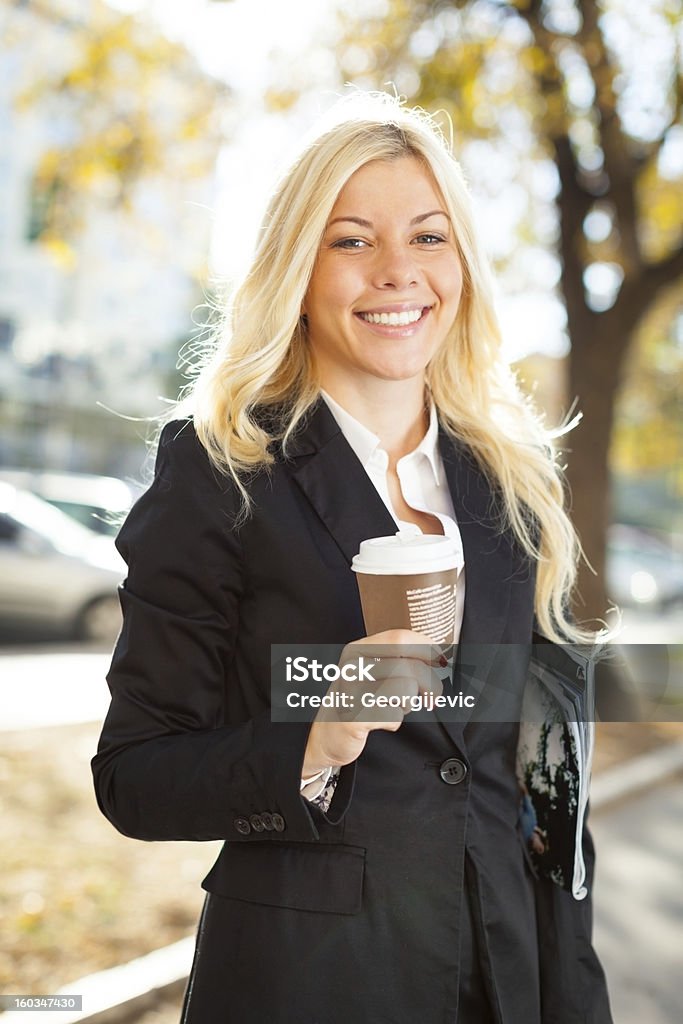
<point x="98" y="502"/>
<point x="642" y="570"/>
<point x="54" y="572"/>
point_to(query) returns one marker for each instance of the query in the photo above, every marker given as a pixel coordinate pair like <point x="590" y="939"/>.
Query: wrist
<point x="313" y="769"/>
<point x="315" y="760"/>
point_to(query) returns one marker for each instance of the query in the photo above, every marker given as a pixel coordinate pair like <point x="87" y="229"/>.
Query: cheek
<point x="458" y="292"/>
<point x="452" y="284"/>
<point x="323" y="294"/>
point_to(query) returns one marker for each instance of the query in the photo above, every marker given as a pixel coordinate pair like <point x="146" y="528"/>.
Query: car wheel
<point x="100" y="621"/>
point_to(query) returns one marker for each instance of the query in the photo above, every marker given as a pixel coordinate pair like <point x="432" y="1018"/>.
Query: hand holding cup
<point x="407" y="584"/>
<point x="404" y="666"/>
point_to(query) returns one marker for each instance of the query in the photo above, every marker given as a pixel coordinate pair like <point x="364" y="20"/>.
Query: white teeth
<point x="410" y="316"/>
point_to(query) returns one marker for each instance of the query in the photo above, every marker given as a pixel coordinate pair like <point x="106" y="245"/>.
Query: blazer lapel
<point x="331" y="476"/>
<point x="488" y="572"/>
<point x="488" y="554"/>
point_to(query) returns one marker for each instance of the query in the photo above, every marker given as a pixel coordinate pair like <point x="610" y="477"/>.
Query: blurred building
<point x="94" y="312"/>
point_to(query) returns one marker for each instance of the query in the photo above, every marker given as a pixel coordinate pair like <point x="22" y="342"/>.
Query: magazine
<point x="554" y="759"/>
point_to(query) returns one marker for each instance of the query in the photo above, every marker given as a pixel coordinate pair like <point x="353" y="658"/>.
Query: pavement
<point x="638" y="833"/>
<point x="638" y="904"/>
<point x="52" y="685"/>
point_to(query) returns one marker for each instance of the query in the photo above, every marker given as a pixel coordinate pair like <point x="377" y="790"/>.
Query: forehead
<point x="401" y="183"/>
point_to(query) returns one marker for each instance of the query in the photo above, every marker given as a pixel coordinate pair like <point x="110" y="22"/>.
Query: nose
<point x="395" y="268"/>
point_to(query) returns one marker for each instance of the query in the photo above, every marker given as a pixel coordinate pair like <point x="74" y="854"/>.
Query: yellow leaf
<point x="61" y="253"/>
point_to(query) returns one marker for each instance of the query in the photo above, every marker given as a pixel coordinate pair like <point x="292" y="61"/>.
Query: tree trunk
<point x="599" y="344"/>
<point x="598" y="350"/>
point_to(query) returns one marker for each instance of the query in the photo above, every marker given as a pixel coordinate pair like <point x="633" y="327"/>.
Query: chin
<point x="399" y="373"/>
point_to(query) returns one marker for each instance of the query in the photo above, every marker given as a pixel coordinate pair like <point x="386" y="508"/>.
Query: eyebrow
<point x="368" y="224"/>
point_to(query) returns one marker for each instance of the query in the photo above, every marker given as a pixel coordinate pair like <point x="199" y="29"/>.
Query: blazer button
<point x="453" y="771"/>
<point x="256" y="822"/>
<point x="242" y="826"/>
<point x="267" y="820"/>
<point x="278" y="823"/>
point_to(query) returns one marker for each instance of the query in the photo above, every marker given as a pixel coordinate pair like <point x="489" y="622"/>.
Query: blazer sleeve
<point x="168" y="766"/>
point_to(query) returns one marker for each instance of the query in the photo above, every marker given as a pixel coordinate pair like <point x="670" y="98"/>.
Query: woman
<point x="371" y="872"/>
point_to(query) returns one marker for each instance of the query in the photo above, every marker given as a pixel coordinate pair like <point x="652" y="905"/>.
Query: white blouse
<point x="424" y="487"/>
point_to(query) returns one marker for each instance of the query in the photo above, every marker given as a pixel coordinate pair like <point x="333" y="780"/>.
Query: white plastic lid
<point x="406" y="553"/>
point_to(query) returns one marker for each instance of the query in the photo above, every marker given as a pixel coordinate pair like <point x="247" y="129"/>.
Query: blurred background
<point x="139" y="139"/>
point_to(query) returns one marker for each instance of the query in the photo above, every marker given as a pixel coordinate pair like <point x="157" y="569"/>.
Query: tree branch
<point x="638" y="295"/>
<point x="621" y="164"/>
<point x="573" y="203"/>
<point x="677" y="90"/>
<point x="657" y="276"/>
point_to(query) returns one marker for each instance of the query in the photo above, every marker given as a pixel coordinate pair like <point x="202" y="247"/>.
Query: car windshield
<point x="63" y="532"/>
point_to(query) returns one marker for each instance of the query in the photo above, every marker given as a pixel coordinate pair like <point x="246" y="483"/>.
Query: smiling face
<point x="386" y="286"/>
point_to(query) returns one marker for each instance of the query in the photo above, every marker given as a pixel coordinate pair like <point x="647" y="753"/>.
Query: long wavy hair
<point x="259" y="356"/>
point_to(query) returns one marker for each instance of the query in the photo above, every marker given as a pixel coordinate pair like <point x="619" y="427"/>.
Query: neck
<point x="396" y="412"/>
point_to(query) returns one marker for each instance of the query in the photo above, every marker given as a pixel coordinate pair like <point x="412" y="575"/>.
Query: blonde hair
<point x="260" y="356"/>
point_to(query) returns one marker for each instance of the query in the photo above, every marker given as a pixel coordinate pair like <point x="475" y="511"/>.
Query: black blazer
<point x="356" y="914"/>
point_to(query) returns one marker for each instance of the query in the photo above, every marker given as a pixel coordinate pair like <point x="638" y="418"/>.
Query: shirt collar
<point x="365" y="444"/>
<point x="362" y="440"/>
<point x="429" y="445"/>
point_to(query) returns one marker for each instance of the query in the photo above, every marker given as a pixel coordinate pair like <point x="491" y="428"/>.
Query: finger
<point x="433" y="684"/>
<point x="372" y="670"/>
<point x="398" y="636"/>
<point x="386" y="668"/>
<point x="339" y="743"/>
<point x="386" y="726"/>
<point x="426" y="678"/>
<point x="390" y="702"/>
<point x="399" y="643"/>
<point x="427" y="653"/>
<point x="391" y="676"/>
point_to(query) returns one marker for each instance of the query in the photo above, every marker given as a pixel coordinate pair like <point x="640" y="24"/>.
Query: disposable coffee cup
<point x="408" y="581"/>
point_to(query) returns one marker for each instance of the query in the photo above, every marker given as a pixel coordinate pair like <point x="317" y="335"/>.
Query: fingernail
<point x="443" y="660"/>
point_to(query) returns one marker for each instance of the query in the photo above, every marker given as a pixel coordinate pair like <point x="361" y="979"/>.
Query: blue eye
<point x="348" y="243"/>
<point x="429" y="239"/>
